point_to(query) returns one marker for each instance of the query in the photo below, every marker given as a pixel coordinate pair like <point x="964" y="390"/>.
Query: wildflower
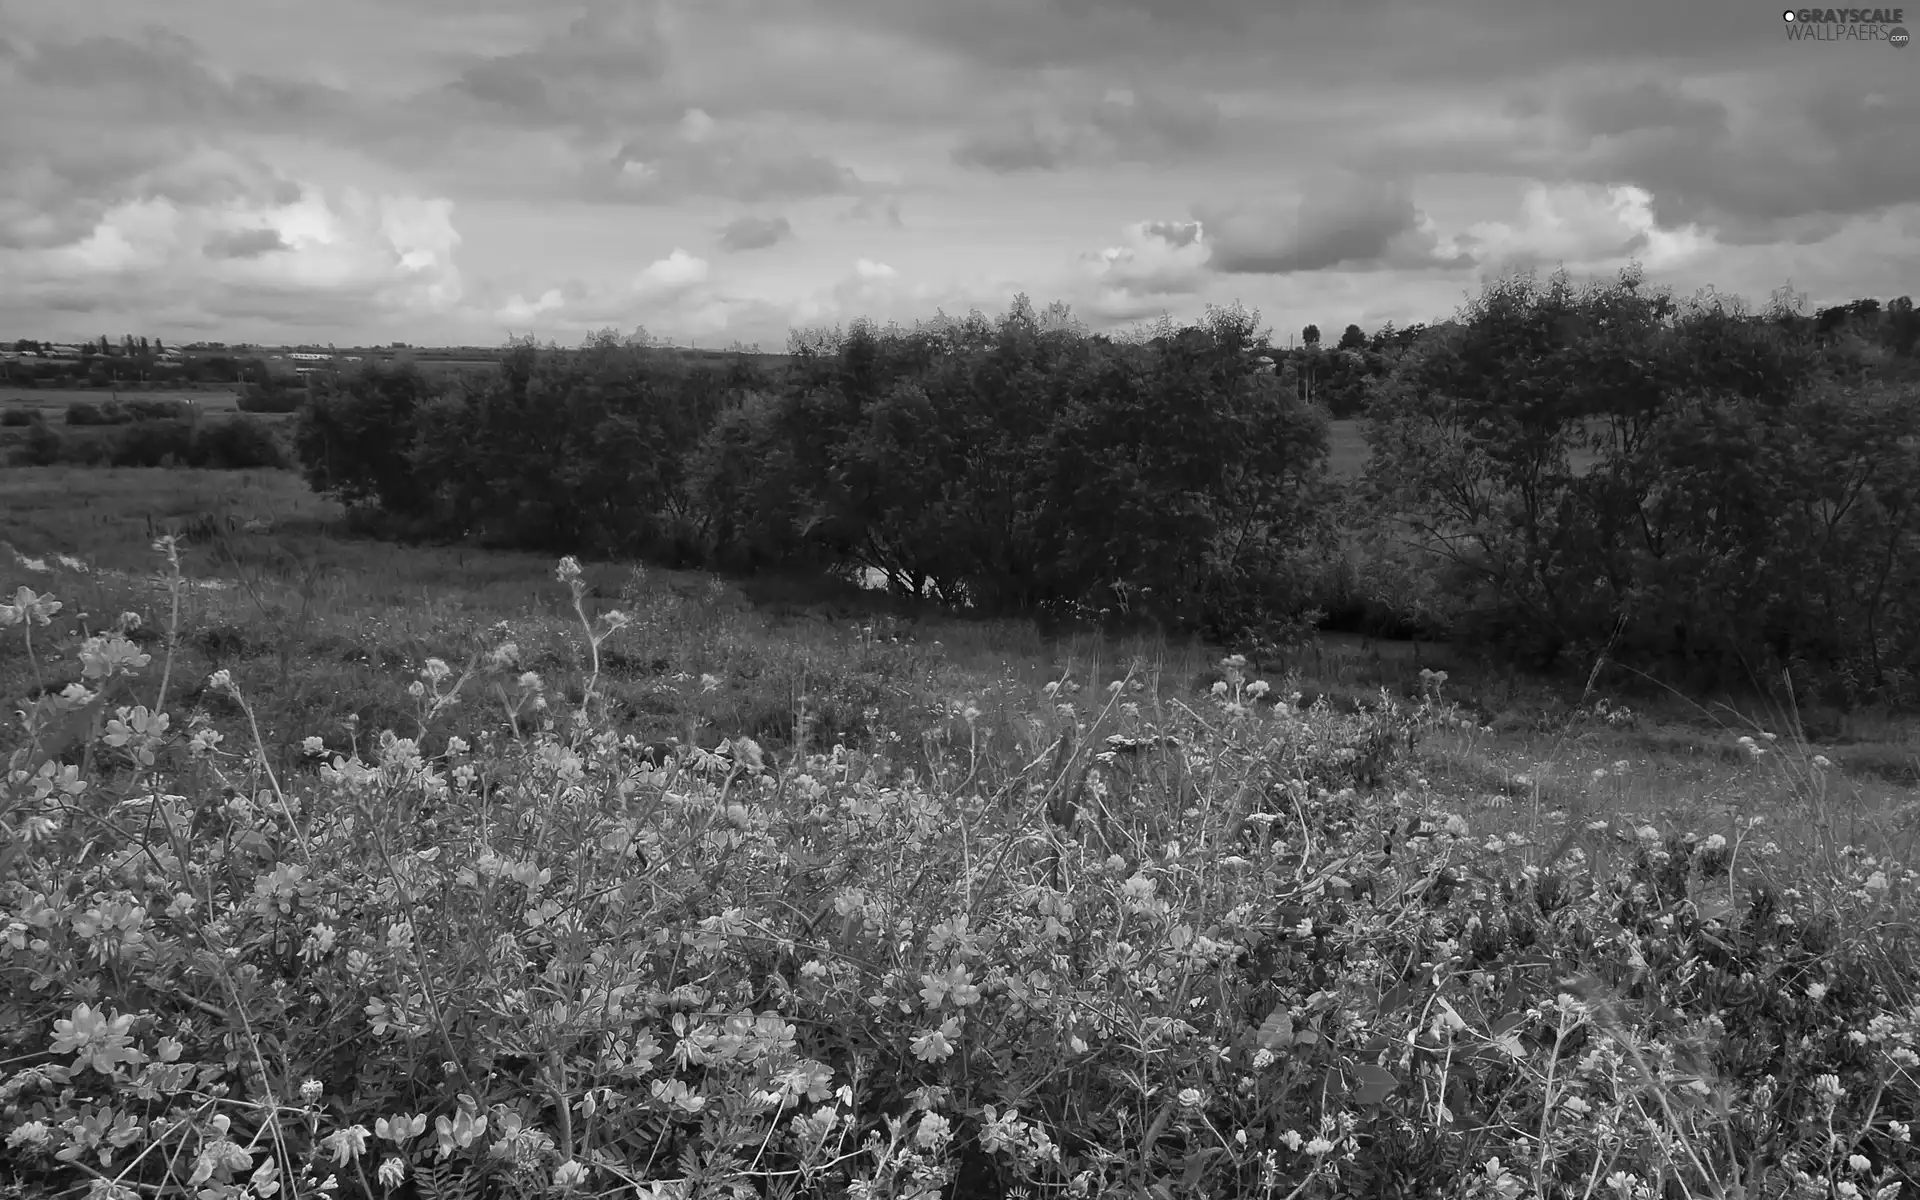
<point x="570" y="1174"/>
<point x="313" y="746"/>
<point x="1900" y="1130"/>
<point x="936" y="1045"/>
<point x="1191" y="1098"/>
<point x="1292" y="1139"/>
<point x="1822" y="761"/>
<point x="103" y="657"/>
<point x="392" y="1173"/>
<point x="1456" y="825"/>
<point x="102" y="1043"/>
<point x="676" y="1093"/>
<point x="401" y="1130"/>
<point x="1829" y="1086"/>
<point x="35" y="1136"/>
<point x="310" y="1091"/>
<point x="1860" y="1163"/>
<point x="346" y="1145"/>
<point x="221" y="680"/>
<point x="27" y="607"/>
<point x="934" y="1131"/>
<point x="1817" y="992"/>
<point x="1319" y="1147"/>
<point x="460" y="1130"/>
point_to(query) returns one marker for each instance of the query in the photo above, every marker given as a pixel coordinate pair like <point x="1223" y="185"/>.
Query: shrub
<point x="15" y="418"/>
<point x="237" y="443"/>
<point x="43" y="446"/>
<point x="286" y="400"/>
<point x="151" y="443"/>
<point x="111" y="412"/>
<point x="139" y="409"/>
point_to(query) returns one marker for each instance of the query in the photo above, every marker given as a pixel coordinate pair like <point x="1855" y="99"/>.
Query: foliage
<point x="1742" y="466"/>
<point x="1231" y="950"/>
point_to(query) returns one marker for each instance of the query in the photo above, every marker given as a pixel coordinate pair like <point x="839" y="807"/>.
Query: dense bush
<point x="1555" y="470"/>
<point x="236" y="444"/>
<point x="43" y="446"/>
<point x="15" y="418"/>
<point x="1228" y="952"/>
<point x="154" y="444"/>
<point x="1743" y="465"/>
<point x="287" y="400"/>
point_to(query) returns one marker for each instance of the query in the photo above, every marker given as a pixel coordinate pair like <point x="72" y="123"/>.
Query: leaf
<point x="1276" y="1032"/>
<point x="1714" y="907"/>
<point x="1373" y="1084"/>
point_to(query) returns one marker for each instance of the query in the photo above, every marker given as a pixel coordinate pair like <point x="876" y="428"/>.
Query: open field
<point x="1002" y="886"/>
<point x="54" y="401"/>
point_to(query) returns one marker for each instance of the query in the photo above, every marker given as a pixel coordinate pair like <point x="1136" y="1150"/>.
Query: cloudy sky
<point x="455" y="171"/>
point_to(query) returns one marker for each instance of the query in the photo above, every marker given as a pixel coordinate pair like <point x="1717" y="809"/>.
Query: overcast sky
<point x="440" y="171"/>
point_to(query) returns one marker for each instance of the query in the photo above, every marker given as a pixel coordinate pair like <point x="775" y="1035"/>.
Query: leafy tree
<point x="354" y="439"/>
<point x="1310" y="335"/>
<point x="1353" y="338"/>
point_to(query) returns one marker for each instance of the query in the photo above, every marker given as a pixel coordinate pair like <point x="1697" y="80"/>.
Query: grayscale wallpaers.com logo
<point x="1848" y="25"/>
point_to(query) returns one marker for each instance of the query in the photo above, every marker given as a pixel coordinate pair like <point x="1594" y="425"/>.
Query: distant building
<point x="297" y="356"/>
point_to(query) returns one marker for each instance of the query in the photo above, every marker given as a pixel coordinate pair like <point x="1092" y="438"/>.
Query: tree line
<point x="1555" y="469"/>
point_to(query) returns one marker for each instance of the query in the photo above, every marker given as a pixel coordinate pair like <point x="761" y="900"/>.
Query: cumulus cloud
<point x="754" y="233"/>
<point x="650" y="292"/>
<point x="1583" y="227"/>
<point x="1349" y="222"/>
<point x="1157" y="265"/>
<point x="178" y="174"/>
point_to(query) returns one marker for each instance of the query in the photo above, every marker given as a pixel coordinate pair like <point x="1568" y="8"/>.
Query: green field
<point x="980" y="893"/>
<point x="54" y="401"/>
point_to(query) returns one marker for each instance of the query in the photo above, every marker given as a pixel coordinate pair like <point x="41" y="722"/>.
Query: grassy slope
<point x="317" y="627"/>
<point x="330" y="626"/>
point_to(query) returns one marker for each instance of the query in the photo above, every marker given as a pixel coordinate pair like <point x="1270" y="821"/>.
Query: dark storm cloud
<point x="1174" y="233"/>
<point x="1350" y="223"/>
<point x="754" y="233"/>
<point x="1131" y="125"/>
<point x="244" y="243"/>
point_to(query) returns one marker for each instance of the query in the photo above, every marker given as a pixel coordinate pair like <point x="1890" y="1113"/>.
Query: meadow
<point x="335" y="867"/>
<point x="54" y="401"/>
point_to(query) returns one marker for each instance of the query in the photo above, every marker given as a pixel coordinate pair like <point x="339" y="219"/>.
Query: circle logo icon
<point x="1899" y="36"/>
<point x="1789" y="16"/>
